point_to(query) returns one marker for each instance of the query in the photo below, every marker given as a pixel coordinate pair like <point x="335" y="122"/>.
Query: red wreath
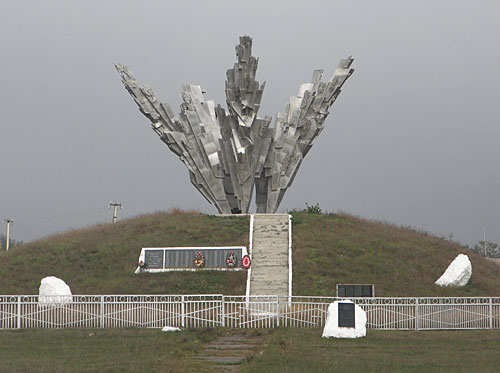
<point x="231" y="260"/>
<point x="246" y="262"/>
<point x="199" y="260"/>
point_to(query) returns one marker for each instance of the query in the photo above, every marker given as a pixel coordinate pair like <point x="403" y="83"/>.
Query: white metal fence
<point x="212" y="310"/>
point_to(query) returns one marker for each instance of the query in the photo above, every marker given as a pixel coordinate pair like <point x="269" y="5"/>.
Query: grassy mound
<point x="327" y="250"/>
<point x="102" y="259"/>
<point x="400" y="261"/>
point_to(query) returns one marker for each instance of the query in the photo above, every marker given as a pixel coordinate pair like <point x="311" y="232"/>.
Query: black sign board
<point x="346" y="291"/>
<point x="366" y="290"/>
<point x="153" y="259"/>
<point x="346" y="315"/>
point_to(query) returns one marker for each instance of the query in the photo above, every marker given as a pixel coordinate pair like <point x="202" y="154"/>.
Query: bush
<point x="487" y="249"/>
<point x="313" y="209"/>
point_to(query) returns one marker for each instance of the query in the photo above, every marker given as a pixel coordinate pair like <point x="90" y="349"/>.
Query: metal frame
<point x="213" y="310"/>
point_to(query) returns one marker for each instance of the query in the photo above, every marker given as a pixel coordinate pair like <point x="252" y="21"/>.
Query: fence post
<point x="223" y="312"/>
<point x="491" y="313"/>
<point x="18" y="311"/>
<point x="278" y="312"/>
<point x="183" y="316"/>
<point x="102" y="311"/>
<point x="416" y="313"/>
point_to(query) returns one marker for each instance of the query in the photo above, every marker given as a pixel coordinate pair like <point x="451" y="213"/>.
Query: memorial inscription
<point x="153" y="259"/>
<point x="184" y="258"/>
<point x="347" y="315"/>
<point x="346" y="291"/>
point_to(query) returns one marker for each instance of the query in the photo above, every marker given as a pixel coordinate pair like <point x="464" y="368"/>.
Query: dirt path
<point x="234" y="347"/>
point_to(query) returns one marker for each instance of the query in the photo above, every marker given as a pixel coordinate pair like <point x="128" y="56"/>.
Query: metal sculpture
<point x="228" y="152"/>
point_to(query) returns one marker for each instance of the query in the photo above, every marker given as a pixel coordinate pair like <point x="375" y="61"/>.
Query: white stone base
<point x="54" y="291"/>
<point x="332" y="328"/>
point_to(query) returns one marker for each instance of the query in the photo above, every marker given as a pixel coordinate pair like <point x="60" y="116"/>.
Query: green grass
<point x="327" y="250"/>
<point x="285" y="350"/>
<point x="102" y="350"/>
<point x="303" y="350"/>
<point x="400" y="261"/>
<point x="102" y="259"/>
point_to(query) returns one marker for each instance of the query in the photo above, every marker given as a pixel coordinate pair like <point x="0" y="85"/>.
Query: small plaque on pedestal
<point x="347" y="315"/>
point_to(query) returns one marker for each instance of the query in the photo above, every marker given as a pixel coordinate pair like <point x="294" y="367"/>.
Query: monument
<point x="229" y="152"/>
<point x="345" y="319"/>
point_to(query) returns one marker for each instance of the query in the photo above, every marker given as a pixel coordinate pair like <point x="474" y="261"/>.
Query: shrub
<point x="313" y="209"/>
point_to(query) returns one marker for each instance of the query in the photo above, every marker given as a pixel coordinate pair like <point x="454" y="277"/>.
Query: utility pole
<point x="8" y="221"/>
<point x="484" y="240"/>
<point x="115" y="209"/>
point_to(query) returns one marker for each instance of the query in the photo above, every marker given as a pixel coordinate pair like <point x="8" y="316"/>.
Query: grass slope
<point x="400" y="261"/>
<point x="327" y="250"/>
<point x="102" y="259"/>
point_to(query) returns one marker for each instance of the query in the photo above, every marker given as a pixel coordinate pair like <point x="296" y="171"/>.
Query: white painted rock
<point x="53" y="290"/>
<point x="170" y="329"/>
<point x="332" y="328"/>
<point x="458" y="272"/>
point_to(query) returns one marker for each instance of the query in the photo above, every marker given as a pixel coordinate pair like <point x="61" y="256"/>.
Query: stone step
<point x="267" y="228"/>
<point x="224" y="346"/>
<point x="274" y="243"/>
<point x="278" y="255"/>
<point x="269" y="275"/>
<point x="272" y="246"/>
<point x="282" y="292"/>
<point x="269" y="267"/>
<point x="223" y="359"/>
<point x="274" y="291"/>
<point x="263" y="289"/>
<point x="272" y="260"/>
<point x="270" y="282"/>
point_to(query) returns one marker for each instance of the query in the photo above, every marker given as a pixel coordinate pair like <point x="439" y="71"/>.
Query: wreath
<point x="246" y="262"/>
<point x="199" y="260"/>
<point x="231" y="260"/>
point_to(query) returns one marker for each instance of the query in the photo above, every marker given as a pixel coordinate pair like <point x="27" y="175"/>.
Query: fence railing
<point x="212" y="310"/>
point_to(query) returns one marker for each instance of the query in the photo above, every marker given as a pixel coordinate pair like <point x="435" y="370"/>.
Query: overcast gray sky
<point x="413" y="139"/>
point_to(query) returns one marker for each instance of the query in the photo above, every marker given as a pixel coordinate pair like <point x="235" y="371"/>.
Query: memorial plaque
<point x="346" y="315"/>
<point x="355" y="291"/>
<point x="341" y="291"/>
<point x="349" y="291"/>
<point x="366" y="291"/>
<point x="153" y="259"/>
<point x="214" y="257"/>
<point x="183" y="258"/>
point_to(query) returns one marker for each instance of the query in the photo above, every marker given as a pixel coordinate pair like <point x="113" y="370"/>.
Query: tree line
<point x="487" y="249"/>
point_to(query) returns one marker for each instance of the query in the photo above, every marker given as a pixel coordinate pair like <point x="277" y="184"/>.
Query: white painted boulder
<point x="54" y="291"/>
<point x="332" y="328"/>
<point x="170" y="329"/>
<point x="458" y="272"/>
